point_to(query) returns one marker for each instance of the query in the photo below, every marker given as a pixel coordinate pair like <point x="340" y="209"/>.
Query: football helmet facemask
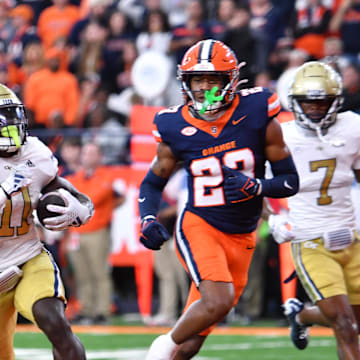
<point x="316" y="82"/>
<point x="209" y="57"/>
<point x="13" y="121"/>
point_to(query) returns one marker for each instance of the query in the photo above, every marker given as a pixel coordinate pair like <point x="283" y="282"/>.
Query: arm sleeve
<point x="150" y="194"/>
<point x="285" y="181"/>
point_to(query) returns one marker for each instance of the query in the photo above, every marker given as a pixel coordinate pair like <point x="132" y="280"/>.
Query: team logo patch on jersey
<point x="213" y="129"/>
<point x="310" y="245"/>
<point x="189" y="131"/>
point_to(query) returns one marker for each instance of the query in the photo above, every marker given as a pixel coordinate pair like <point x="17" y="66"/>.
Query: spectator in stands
<point x="310" y="26"/>
<point x="263" y="79"/>
<point x="241" y="39"/>
<point x="106" y="130"/>
<point x="88" y="85"/>
<point x="134" y="9"/>
<point x="149" y="6"/>
<point x="25" y="33"/>
<point x="155" y="33"/>
<point x="176" y="10"/>
<point x="87" y="6"/>
<point x="291" y="61"/>
<point x="98" y="12"/>
<point x="269" y="19"/>
<point x="69" y="156"/>
<point x="90" y="54"/>
<point x="351" y="82"/>
<point x="4" y="65"/>
<point x="56" y="21"/>
<point x="346" y="21"/>
<point x="90" y="244"/>
<point x="6" y="27"/>
<point x="187" y="34"/>
<point x="334" y="53"/>
<point x="218" y="26"/>
<point x="122" y="79"/>
<point x="32" y="60"/>
<point x="51" y="92"/>
<point x="121" y="34"/>
<point x="37" y="6"/>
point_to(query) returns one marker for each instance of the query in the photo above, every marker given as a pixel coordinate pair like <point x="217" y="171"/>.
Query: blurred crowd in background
<point x="81" y="65"/>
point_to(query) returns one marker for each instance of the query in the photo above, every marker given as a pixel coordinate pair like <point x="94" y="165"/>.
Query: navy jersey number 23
<point x="236" y="139"/>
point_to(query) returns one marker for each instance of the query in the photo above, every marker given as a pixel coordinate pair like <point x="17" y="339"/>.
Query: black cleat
<point x="298" y="333"/>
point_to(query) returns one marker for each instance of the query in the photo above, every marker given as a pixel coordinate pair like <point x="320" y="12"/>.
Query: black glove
<point x="239" y="187"/>
<point x="153" y="234"/>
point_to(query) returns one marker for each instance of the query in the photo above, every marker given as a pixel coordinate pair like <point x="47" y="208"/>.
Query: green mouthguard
<point x="12" y="132"/>
<point x="210" y="98"/>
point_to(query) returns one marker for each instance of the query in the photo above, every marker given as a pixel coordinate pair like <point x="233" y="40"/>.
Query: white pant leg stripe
<point x="309" y="286"/>
<point x="57" y="281"/>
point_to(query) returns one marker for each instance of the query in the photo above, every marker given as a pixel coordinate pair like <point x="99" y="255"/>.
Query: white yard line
<point x="139" y="354"/>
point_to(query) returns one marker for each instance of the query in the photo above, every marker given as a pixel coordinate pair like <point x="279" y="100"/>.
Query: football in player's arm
<point x="30" y="282"/>
<point x="321" y="226"/>
<point x="223" y="138"/>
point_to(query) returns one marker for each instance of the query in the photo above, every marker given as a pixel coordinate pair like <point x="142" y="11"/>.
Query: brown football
<point x="53" y="198"/>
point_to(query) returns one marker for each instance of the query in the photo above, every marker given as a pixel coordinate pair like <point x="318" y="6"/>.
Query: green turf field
<point x="34" y="346"/>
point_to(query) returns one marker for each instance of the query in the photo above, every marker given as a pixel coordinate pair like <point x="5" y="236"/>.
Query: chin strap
<point x="336" y="142"/>
<point x="11" y="131"/>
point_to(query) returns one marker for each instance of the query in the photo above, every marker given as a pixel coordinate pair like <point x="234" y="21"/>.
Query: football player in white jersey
<point x="325" y="146"/>
<point x="29" y="278"/>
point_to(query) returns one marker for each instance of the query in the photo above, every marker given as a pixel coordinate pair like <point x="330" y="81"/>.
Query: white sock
<point x="162" y="348"/>
<point x="170" y="344"/>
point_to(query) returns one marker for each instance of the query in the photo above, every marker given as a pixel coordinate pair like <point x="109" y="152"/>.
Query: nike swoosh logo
<point x="235" y="122"/>
<point x="287" y="185"/>
<point x="142" y="200"/>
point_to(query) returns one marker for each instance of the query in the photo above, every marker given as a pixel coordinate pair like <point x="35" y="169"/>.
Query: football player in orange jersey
<point x="223" y="138"/>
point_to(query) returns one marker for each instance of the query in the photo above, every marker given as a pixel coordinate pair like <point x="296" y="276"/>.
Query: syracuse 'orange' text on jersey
<point x="236" y="140"/>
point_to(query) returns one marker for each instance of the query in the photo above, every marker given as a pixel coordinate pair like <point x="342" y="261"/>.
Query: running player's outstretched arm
<point x="153" y="234"/>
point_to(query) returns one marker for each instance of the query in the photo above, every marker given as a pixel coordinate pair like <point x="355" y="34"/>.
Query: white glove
<point x="73" y="214"/>
<point x="19" y="178"/>
<point x="280" y="228"/>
